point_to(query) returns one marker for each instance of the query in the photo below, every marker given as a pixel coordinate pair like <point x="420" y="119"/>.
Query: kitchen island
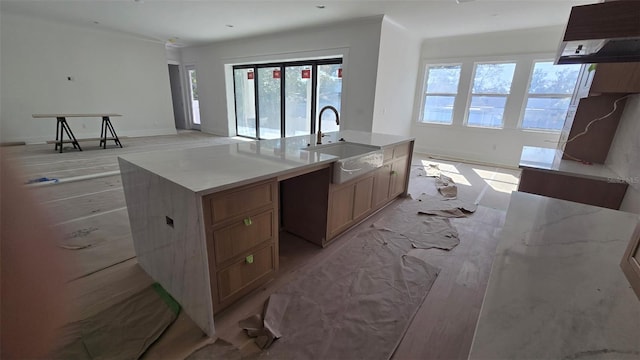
<point x="205" y="221"/>
<point x="556" y="289"/>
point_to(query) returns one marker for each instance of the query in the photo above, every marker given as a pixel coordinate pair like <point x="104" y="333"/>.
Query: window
<point x="440" y="93"/>
<point x="549" y="95"/>
<point x="491" y="87"/>
<point x="284" y="99"/>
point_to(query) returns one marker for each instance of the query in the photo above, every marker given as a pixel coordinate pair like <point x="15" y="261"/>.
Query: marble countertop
<point x="210" y="169"/>
<point x="546" y="159"/>
<point x="556" y="290"/>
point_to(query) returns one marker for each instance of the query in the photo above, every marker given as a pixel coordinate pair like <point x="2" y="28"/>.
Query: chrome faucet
<point x="335" y="111"/>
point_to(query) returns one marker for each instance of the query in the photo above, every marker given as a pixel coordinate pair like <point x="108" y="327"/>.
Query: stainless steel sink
<point x="354" y="159"/>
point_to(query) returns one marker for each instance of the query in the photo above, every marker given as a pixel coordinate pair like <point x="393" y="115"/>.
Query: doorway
<point x="176" y="97"/>
<point x="193" y="100"/>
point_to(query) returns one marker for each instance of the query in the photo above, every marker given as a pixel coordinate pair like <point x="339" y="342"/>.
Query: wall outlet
<point x="71" y="78"/>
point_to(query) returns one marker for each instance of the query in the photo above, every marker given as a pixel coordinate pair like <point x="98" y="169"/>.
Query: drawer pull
<point x="247" y="221"/>
<point x="393" y="172"/>
<point x="249" y="259"/>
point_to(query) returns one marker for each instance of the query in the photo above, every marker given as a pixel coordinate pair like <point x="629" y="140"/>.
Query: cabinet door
<point x="340" y="208"/>
<point x="362" y="197"/>
<point x="381" y="181"/>
<point x="398" y="177"/>
<point x="631" y="262"/>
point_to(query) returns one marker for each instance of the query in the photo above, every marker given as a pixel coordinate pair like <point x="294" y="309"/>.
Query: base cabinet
<point x="242" y="240"/>
<point x="352" y="201"/>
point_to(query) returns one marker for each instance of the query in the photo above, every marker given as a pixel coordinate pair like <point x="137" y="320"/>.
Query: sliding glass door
<point x="297" y="94"/>
<point x="243" y="80"/>
<point x="329" y="94"/>
<point x="269" y="102"/>
<point x="284" y="99"/>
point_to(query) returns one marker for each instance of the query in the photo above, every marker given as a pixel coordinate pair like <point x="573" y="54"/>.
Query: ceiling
<point x="185" y="23"/>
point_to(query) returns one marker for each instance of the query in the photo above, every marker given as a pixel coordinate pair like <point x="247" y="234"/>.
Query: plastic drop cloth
<point x="123" y="331"/>
<point x="355" y="305"/>
<point x="424" y="232"/>
<point x="446" y="187"/>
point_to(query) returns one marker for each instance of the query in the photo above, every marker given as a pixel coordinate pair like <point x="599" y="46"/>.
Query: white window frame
<point x="548" y="96"/>
<point x="424" y="92"/>
<point x="471" y="94"/>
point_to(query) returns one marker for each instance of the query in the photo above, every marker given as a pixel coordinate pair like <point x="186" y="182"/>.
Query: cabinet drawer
<point x="242" y="274"/>
<point x="242" y="235"/>
<point x="401" y="150"/>
<point x="236" y="202"/>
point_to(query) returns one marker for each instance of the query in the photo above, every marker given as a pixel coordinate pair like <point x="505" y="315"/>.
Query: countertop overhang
<point x="210" y="169"/>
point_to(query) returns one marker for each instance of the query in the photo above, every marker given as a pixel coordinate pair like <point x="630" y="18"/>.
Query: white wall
<point x="492" y="146"/>
<point x="398" y="63"/>
<point x="173" y="55"/>
<point x="624" y="154"/>
<point x="357" y="41"/>
<point x="113" y="73"/>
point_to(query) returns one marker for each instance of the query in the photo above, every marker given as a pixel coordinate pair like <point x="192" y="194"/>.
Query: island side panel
<point x="168" y="236"/>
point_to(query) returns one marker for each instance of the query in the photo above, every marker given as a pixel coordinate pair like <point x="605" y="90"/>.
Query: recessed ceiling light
<point x="320" y="6"/>
<point x="229" y="25"/>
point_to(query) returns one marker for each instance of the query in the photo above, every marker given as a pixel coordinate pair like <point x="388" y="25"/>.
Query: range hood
<point x="605" y="32"/>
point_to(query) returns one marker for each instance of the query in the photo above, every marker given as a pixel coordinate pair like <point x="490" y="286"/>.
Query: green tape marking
<point x="166" y="297"/>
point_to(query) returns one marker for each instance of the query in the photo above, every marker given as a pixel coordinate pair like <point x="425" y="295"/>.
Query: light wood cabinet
<point x="242" y="240"/>
<point x="392" y="179"/>
<point x="349" y="203"/>
<point x="381" y="182"/>
<point x="398" y="177"/>
<point x="353" y="201"/>
<point x="362" y="197"/>
<point x="340" y="210"/>
<point x="631" y="262"/>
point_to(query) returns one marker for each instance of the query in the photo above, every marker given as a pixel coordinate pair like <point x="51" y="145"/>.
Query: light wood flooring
<point x="91" y="215"/>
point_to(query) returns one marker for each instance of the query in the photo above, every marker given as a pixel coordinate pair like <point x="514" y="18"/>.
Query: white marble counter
<point x="546" y="159"/>
<point x="556" y="290"/>
<point x="214" y="168"/>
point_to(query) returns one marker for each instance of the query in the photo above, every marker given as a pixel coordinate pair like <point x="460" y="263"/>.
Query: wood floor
<point x="91" y="215"/>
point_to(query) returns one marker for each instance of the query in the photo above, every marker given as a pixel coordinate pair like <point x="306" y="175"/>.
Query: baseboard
<point x="465" y="158"/>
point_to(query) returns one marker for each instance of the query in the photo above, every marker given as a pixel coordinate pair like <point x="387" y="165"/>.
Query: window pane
<point x="245" y="102"/>
<point x="493" y="78"/>
<point x="297" y="101"/>
<point x="438" y="109"/>
<point x="443" y="79"/>
<point x="553" y="79"/>
<point x="486" y="111"/>
<point x="269" y="102"/>
<point x="329" y="93"/>
<point x="545" y="113"/>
